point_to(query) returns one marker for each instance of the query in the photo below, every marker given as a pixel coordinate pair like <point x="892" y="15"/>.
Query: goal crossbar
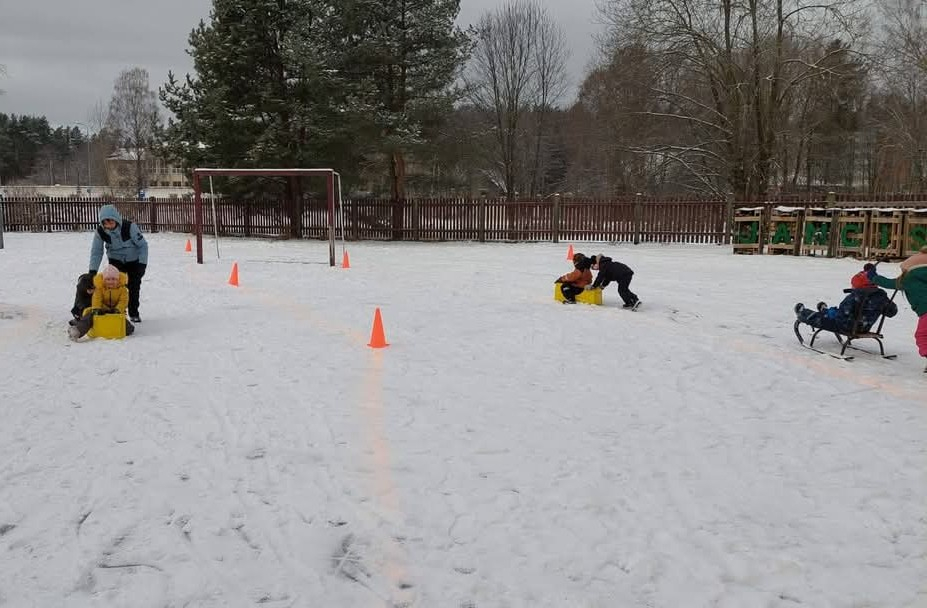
<point x="330" y="176"/>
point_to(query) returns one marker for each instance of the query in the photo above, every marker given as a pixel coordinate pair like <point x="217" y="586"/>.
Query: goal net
<point x="332" y="198"/>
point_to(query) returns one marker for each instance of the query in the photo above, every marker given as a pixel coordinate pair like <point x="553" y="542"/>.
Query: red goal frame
<point x="328" y="174"/>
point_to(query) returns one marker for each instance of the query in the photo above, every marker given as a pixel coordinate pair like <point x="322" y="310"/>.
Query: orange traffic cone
<point x="189" y="247"/>
<point x="570" y="253"/>
<point x="345" y="261"/>
<point x="233" y="278"/>
<point x="377" y="337"/>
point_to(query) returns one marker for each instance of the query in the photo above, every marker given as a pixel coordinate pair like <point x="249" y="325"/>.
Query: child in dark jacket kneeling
<point x="110" y="295"/>
<point x="82" y="298"/>
<point x="573" y="283"/>
<point x="621" y="274"/>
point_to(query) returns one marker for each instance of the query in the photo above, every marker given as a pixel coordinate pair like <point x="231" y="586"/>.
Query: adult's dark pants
<point x="136" y="271"/>
<point x="570" y="291"/>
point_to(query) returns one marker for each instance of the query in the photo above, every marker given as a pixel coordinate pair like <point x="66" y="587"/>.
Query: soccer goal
<point x="332" y="188"/>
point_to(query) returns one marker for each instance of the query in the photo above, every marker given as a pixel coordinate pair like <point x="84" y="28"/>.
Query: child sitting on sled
<point x="573" y="283"/>
<point x="110" y="295"/>
<point x="840" y="319"/>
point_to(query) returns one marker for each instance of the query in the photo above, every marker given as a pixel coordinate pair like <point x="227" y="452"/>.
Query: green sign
<point x="783" y="233"/>
<point x="817" y="233"/>
<point x="918" y="236"/>
<point x="884" y="239"/>
<point x="845" y="232"/>
<point x="749" y="233"/>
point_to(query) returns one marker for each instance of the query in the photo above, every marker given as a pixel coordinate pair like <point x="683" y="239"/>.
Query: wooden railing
<point x="634" y="219"/>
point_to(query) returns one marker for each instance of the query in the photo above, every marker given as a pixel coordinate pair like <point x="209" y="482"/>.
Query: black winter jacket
<point x="610" y="270"/>
<point x="877" y="304"/>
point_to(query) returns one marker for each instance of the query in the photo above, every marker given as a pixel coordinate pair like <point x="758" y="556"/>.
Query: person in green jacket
<point x="913" y="282"/>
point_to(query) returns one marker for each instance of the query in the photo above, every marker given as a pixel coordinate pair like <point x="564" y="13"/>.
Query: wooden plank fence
<point x="628" y="219"/>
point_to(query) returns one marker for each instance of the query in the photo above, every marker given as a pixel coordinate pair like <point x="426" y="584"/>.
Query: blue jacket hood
<point x="109" y="212"/>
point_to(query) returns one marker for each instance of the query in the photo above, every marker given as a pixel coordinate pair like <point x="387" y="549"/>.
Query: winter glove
<point x="870" y="271"/>
<point x="91" y="273"/>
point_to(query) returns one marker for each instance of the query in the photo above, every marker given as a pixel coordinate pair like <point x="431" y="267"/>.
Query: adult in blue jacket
<point x="126" y="249"/>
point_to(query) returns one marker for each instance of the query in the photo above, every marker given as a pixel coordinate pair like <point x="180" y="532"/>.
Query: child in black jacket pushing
<point x="610" y="270"/>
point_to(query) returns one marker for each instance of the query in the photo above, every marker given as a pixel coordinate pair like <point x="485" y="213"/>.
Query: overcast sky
<point x="62" y="56"/>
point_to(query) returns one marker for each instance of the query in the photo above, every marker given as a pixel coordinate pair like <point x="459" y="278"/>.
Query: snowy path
<point x="246" y="447"/>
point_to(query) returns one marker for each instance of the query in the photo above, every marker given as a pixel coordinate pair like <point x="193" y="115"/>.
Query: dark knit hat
<point x="85" y="281"/>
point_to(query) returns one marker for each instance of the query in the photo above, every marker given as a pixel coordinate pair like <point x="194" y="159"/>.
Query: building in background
<point x="162" y="179"/>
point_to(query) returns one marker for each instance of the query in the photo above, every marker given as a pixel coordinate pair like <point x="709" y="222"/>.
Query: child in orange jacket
<point x="573" y="283"/>
<point x="110" y="295"/>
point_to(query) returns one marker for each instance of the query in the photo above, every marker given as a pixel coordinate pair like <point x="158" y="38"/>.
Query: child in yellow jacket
<point x="573" y="283"/>
<point x="110" y="295"/>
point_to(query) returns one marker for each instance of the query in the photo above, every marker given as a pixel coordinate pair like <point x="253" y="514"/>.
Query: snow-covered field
<point x="246" y="448"/>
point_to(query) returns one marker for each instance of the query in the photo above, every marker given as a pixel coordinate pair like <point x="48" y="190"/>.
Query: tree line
<point x="750" y="97"/>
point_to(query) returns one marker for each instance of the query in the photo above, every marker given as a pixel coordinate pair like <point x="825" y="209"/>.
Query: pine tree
<point x="264" y="93"/>
<point x="22" y="139"/>
<point x="400" y="58"/>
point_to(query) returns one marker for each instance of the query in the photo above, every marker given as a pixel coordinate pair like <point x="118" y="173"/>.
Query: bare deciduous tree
<point x="102" y="142"/>
<point x="898" y="108"/>
<point x="517" y="72"/>
<point x="727" y="71"/>
<point x="614" y="99"/>
<point x="134" y="119"/>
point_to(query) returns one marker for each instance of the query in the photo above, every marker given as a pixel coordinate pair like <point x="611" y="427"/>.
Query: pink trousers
<point x="920" y="335"/>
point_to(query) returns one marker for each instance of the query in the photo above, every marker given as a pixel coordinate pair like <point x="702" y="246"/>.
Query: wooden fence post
<point x="638" y="217"/>
<point x="481" y="219"/>
<point x="555" y="218"/>
<point x="152" y="215"/>
<point x="398" y="205"/>
<point x="835" y="225"/>
<point x="728" y="223"/>
<point x="415" y="219"/>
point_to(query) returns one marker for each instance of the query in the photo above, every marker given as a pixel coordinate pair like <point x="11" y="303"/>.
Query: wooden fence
<point x="634" y="219"/>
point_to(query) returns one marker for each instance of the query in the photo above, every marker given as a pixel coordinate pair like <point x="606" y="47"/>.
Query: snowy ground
<point x="247" y="448"/>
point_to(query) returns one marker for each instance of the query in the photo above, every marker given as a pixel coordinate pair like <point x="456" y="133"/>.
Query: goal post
<point x="332" y="186"/>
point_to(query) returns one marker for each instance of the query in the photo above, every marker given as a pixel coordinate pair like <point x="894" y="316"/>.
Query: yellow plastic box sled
<point x="589" y="296"/>
<point x="111" y="326"/>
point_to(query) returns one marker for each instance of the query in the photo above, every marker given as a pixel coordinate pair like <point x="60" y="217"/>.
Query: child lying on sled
<point x="840" y="319"/>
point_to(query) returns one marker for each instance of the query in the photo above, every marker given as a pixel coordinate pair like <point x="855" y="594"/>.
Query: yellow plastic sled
<point x="589" y="296"/>
<point x="111" y="326"/>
